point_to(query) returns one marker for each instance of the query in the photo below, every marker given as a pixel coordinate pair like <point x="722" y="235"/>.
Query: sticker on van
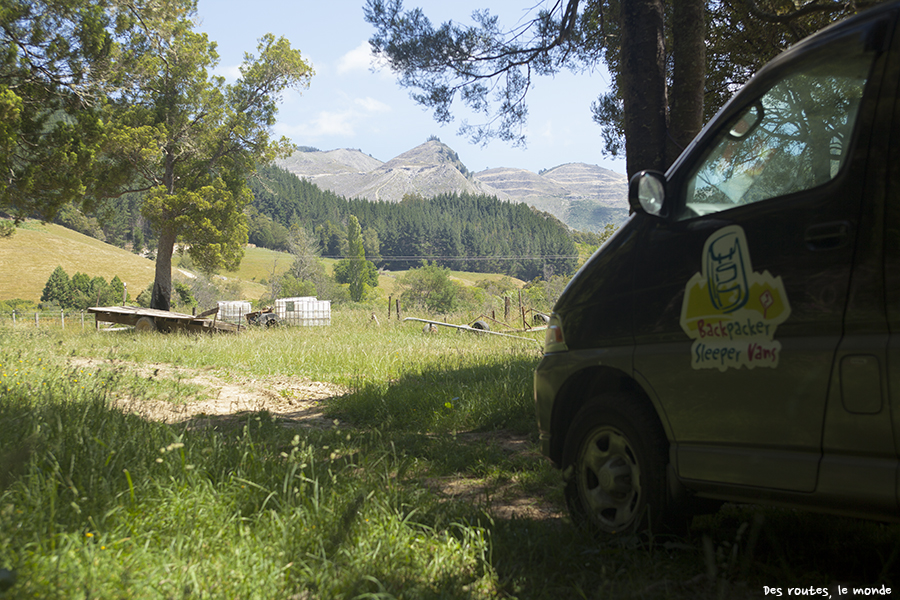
<point x="730" y="311"/>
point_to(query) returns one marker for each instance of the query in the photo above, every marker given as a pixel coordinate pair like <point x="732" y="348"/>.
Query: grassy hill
<point x="28" y="258"/>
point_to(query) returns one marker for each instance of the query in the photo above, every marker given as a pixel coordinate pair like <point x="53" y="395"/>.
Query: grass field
<point x="424" y="482"/>
<point x="30" y="256"/>
<point x="260" y="263"/>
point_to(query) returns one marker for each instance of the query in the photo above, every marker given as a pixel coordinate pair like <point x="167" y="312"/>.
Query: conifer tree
<point x="53" y="57"/>
<point x="358" y="270"/>
<point x="189" y="141"/>
<point x="58" y="289"/>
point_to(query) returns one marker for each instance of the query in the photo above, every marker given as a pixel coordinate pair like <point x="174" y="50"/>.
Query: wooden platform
<point x="150" y="319"/>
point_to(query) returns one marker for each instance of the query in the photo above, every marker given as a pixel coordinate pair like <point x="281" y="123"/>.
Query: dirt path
<point x="298" y="402"/>
<point x="295" y="399"/>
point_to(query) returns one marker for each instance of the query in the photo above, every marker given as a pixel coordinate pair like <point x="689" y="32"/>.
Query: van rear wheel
<point x="615" y="459"/>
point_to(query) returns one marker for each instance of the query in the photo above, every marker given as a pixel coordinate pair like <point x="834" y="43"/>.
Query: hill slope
<point x="582" y="196"/>
<point x="29" y="257"/>
<point x="332" y="162"/>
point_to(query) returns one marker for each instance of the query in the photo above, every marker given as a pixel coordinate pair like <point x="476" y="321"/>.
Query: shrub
<point x="431" y="288"/>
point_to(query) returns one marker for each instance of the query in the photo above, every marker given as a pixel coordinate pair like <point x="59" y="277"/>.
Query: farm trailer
<point x="149" y="319"/>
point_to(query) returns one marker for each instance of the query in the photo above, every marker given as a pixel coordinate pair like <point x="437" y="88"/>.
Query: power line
<point x="457" y="258"/>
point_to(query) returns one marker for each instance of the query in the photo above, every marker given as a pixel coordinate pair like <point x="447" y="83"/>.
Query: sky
<point x="348" y="105"/>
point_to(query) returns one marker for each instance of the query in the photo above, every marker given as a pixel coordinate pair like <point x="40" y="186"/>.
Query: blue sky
<point x="349" y="106"/>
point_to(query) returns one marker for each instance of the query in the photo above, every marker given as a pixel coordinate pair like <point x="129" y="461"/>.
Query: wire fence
<point x="61" y="319"/>
<point x="308" y="313"/>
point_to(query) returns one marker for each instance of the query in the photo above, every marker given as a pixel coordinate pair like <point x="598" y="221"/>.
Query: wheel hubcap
<point x="609" y="479"/>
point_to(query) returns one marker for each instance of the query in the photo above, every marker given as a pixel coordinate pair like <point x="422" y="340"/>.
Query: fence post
<point x="82" y="320"/>
<point x="398" y="309"/>
<point x="14" y="317"/>
<point x="35" y="319"/>
<point x="124" y="292"/>
<point x="62" y="318"/>
<point x="390" y="299"/>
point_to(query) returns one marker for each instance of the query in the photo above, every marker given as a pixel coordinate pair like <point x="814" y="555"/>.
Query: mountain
<point x="332" y="162"/>
<point x="582" y="196"/>
<point x="427" y="170"/>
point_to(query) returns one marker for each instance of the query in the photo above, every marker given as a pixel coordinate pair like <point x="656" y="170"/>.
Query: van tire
<point x="615" y="457"/>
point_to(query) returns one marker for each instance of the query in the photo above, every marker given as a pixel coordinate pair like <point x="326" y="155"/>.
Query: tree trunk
<point x="688" y="75"/>
<point x="160" y="299"/>
<point x="643" y="85"/>
<point x="162" y="283"/>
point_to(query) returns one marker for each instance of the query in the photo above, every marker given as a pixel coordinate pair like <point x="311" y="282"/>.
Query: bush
<point x="291" y="287"/>
<point x="17" y="304"/>
<point x="430" y="287"/>
<point x="81" y="291"/>
<point x="7" y="228"/>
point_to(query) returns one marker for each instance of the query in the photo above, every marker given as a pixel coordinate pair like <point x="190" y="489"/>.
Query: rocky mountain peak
<point x="433" y="152"/>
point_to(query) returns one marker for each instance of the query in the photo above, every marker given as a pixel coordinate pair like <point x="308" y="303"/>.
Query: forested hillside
<point x="463" y="232"/>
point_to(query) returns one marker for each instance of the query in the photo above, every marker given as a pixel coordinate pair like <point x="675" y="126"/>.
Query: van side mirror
<point x="647" y="192"/>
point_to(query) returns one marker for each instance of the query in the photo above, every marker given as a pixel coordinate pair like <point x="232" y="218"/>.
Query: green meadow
<point x="421" y="478"/>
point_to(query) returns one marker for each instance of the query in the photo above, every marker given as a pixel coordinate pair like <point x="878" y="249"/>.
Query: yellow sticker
<point x="730" y="311"/>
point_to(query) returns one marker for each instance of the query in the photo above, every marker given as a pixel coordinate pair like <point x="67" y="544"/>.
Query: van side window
<point x="795" y="137"/>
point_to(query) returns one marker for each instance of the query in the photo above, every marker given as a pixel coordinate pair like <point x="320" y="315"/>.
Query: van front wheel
<point x="615" y="460"/>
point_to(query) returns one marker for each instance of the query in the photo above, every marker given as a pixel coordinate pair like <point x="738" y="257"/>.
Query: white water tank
<point x="233" y="311"/>
<point x="306" y="311"/>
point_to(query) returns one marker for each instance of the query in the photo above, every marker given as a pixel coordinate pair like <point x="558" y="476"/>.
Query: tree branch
<point x="813" y="7"/>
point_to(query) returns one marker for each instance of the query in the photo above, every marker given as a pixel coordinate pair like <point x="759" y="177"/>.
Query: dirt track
<point x="298" y="402"/>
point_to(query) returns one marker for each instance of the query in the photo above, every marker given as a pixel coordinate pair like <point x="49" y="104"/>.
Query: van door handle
<point x="827" y="236"/>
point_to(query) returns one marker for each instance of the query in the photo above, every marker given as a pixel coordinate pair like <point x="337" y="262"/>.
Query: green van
<point x="735" y="339"/>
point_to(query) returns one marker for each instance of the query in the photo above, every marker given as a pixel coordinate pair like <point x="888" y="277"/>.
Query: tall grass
<point x="105" y="504"/>
<point x="99" y="503"/>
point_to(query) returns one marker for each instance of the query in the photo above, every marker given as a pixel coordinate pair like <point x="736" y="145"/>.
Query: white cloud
<point x="328" y="123"/>
<point x="547" y="131"/>
<point x="230" y="73"/>
<point x="340" y="123"/>
<point x="359" y="59"/>
<point x="372" y="105"/>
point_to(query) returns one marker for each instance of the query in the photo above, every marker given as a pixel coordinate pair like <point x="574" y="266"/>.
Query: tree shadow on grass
<point x="551" y="558"/>
<point x="446" y="399"/>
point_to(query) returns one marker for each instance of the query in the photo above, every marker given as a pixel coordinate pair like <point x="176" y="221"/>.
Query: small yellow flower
<point x="89" y="534"/>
